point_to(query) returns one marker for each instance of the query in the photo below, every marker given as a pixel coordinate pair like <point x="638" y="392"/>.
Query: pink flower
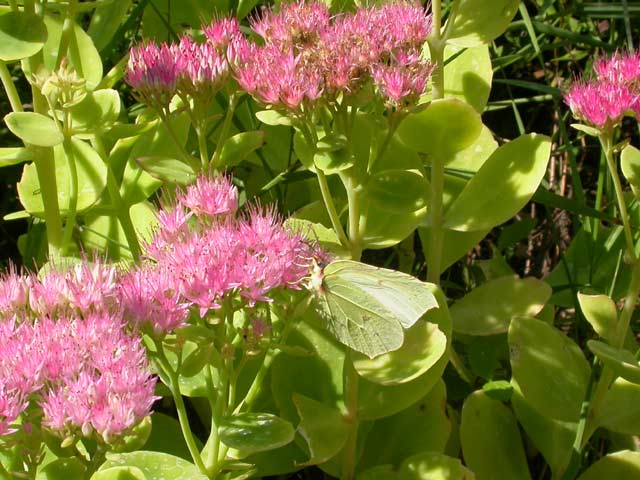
<point x="600" y="103"/>
<point x="619" y="68"/>
<point x="202" y="69"/>
<point x="153" y="71"/>
<point x="210" y="197"/>
<point x="296" y="23"/>
<point x="223" y="31"/>
<point x="151" y="296"/>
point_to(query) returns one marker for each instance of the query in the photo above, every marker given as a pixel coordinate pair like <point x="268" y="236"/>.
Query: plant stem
<point x="10" y="88"/>
<point x="351" y="399"/>
<point x="607" y="376"/>
<point x="356" y="228"/>
<point x="434" y="255"/>
<point x="183" y="419"/>
<point x="73" y="196"/>
<point x="224" y="131"/>
<point x="606" y="140"/>
<point x="67" y="33"/>
<point x="436" y="47"/>
<point x="46" y="170"/>
<point x="331" y="208"/>
<point x="186" y="156"/>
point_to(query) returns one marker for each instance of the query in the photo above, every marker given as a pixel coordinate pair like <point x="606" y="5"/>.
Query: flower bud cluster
<point x="304" y="56"/>
<point x="204" y="252"/>
<point x="613" y="92"/>
<point x="68" y="354"/>
<point x="160" y="71"/>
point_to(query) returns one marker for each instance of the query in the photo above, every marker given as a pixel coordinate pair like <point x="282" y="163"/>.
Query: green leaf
<point x="623" y="465"/>
<point x="322" y="426"/>
<point x="167" y="170"/>
<point x="377" y="401"/>
<point x="96" y="113"/>
<point x="398" y="191"/>
<point x="166" y="437"/>
<point x="480" y="21"/>
<point x="591" y="131"/>
<point x="153" y="465"/>
<point x="106" y="20"/>
<point x="333" y="161"/>
<point x="502" y="187"/>
<point x="434" y="466"/>
<point x="622" y="362"/>
<point x="620" y="411"/>
<point x="22" y="35"/>
<point x="468" y="76"/>
<point x="62" y="468"/>
<point x="500" y="390"/>
<point x="85" y="59"/>
<point x="549" y="368"/>
<point x="34" y="128"/>
<point x="470" y="159"/>
<point x="600" y="311"/>
<point x="553" y="438"/>
<point x="325" y="237"/>
<point x="590" y="262"/>
<point x="423" y="427"/>
<point x="317" y="376"/>
<point x="380" y="472"/>
<point x="14" y="156"/>
<point x="488" y="309"/>
<point x="442" y="129"/>
<point x="239" y="146"/>
<point x="138" y="185"/>
<point x="386" y="229"/>
<point x="271" y="117"/>
<point x="254" y="432"/>
<point x="424" y="344"/>
<point x="103" y="233"/>
<point x="630" y="165"/>
<point x="367" y="308"/>
<point x="137" y="437"/>
<point x="119" y="473"/>
<point x="490" y="438"/>
<point x="91" y="171"/>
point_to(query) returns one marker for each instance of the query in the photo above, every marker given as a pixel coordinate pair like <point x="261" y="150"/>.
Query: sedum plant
<point x="274" y="348"/>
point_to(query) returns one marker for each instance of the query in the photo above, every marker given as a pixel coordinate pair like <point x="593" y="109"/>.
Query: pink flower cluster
<point x="203" y="253"/>
<point x="67" y="353"/>
<point x="613" y="93"/>
<point x="307" y="56"/>
<point x="158" y="72"/>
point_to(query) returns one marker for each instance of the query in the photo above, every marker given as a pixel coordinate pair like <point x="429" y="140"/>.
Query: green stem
<point x="183" y="419"/>
<point x="351" y="400"/>
<point x="14" y="5"/>
<point x="436" y="46"/>
<point x="10" y="88"/>
<point x="73" y="196"/>
<point x="188" y="159"/>
<point x="606" y="141"/>
<point x="356" y="228"/>
<point x="434" y="255"/>
<point x="46" y="170"/>
<point x="121" y="209"/>
<point x="252" y="394"/>
<point x="67" y="33"/>
<point x="224" y="131"/>
<point x="331" y="208"/>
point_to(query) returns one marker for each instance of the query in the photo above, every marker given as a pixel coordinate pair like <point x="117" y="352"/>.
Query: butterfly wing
<point x="366" y="308"/>
<point x="368" y="329"/>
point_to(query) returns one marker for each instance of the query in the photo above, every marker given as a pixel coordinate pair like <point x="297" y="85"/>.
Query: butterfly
<point x="368" y="308"/>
